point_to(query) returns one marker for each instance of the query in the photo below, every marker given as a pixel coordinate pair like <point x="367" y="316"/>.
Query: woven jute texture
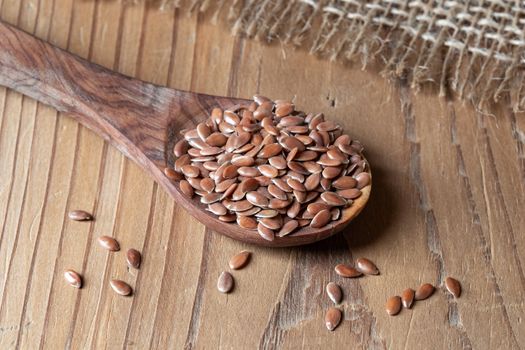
<point x="475" y="48"/>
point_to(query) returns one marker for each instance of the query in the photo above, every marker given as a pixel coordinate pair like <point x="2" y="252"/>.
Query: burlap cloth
<point x="474" y="48"/>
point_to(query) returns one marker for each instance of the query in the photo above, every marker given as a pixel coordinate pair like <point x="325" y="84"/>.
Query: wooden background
<point x="448" y="199"/>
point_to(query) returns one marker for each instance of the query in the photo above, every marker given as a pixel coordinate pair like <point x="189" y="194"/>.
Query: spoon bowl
<point x="142" y="120"/>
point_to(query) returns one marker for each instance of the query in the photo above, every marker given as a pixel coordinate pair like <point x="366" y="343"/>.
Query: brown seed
<point x="250" y="212"/>
<point x="312" y="167"/>
<point x="342" y="140"/>
<point x="268" y="170"/>
<point x="332" y="318"/>
<point x="321" y="219"/>
<point x="207" y="184"/>
<point x="260" y="99"/>
<point x="278" y="203"/>
<point x="291" y="121"/>
<point x="248" y="185"/>
<point x="211" y="151"/>
<point x="227" y="218"/>
<point x="243" y="161"/>
<point x="350" y="193"/>
<point x="230" y="171"/>
<point x="248" y="172"/>
<point x="393" y="305"/>
<point x="291" y="155"/>
<point x="424" y="291"/>
<point x="216" y="115"/>
<point x="453" y="286"/>
<point x="257" y="199"/>
<point x="265" y="232"/>
<point x="298" y="129"/>
<point x="327" y="126"/>
<point x="284" y="109"/>
<point x="288" y="228"/>
<point x="282" y="185"/>
<point x="241" y="139"/>
<point x="203" y="131"/>
<point x="347" y="271"/>
<point x="336" y="214"/>
<point x="272" y="223"/>
<point x="335" y="153"/>
<point x="333" y="199"/>
<point x="133" y="258"/>
<point x="270" y="150"/>
<point x="298" y="168"/>
<point x="120" y="287"/>
<point x="217" y="209"/>
<point x="80" y="215"/>
<point x="179" y="163"/>
<point x="334" y="292"/>
<point x="363" y="179"/>
<point x="186" y="188"/>
<point x="224" y="185"/>
<point x="216" y="139"/>
<point x="331" y="172"/>
<point x="277" y="192"/>
<point x="190" y="170"/>
<point x="345" y="182"/>
<point x="267" y="213"/>
<point x="303" y="222"/>
<point x="180" y="148"/>
<point x="326" y="184"/>
<point x="247" y="222"/>
<point x="307" y="140"/>
<point x="109" y="243"/>
<point x="328" y="162"/>
<point x="172" y="174"/>
<point x="366" y="266"/>
<point x="306" y="156"/>
<point x="300" y="196"/>
<point x="296" y="185"/>
<point x="240" y="260"/>
<point x="293" y="210"/>
<point x="210" y="198"/>
<point x="290" y="142"/>
<point x="231" y="118"/>
<point x="277" y="162"/>
<point x="73" y="278"/>
<point x="314" y="208"/>
<point x="238" y="206"/>
<point x="407" y="298"/>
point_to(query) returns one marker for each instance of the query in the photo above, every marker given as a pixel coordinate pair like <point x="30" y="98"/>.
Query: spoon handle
<point x="130" y="113"/>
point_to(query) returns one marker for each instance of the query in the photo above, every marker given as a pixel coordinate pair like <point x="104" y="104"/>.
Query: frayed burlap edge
<point x="474" y="48"/>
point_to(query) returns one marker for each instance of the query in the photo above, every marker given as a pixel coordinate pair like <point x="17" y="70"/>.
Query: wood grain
<point x="447" y="200"/>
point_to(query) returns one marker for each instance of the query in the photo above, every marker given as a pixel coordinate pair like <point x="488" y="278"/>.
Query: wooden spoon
<point x="142" y="120"/>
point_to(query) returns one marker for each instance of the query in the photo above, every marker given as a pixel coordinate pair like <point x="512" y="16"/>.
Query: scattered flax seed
<point x="334" y="292"/>
<point x="240" y="260"/>
<point x="109" y="243"/>
<point x="225" y="282"/>
<point x="366" y="266"/>
<point x="80" y="215"/>
<point x="407" y="298"/>
<point x="120" y="287"/>
<point x="424" y="291"/>
<point x="332" y="318"/>
<point x="453" y="286"/>
<point x="347" y="271"/>
<point x="393" y="305"/>
<point x="73" y="278"/>
<point x="133" y="258"/>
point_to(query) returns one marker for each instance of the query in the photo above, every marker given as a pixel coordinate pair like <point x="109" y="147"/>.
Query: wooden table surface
<point x="448" y="199"/>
